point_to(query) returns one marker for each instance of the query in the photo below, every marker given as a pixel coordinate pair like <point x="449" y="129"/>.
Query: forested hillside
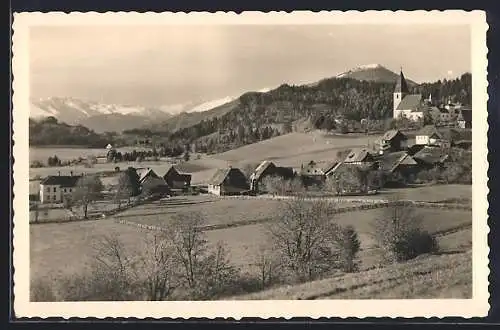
<point x="258" y="116"/>
<point x="49" y="131"/>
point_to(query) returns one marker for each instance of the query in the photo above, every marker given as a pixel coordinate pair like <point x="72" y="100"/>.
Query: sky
<point x="167" y="65"/>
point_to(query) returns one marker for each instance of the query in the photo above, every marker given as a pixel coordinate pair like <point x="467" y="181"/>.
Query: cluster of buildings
<point x="395" y="154"/>
<point x="55" y="188"/>
<point x="413" y="107"/>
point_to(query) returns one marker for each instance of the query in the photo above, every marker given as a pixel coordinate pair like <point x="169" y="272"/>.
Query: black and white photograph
<point x="245" y="163"/>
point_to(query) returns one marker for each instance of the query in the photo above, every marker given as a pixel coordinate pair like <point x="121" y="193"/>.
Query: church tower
<point x="400" y="91"/>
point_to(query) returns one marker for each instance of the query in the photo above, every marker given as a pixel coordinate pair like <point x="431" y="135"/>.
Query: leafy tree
<point x="128" y="186"/>
<point x="87" y="191"/>
<point x="348" y="246"/>
<point x="399" y="233"/>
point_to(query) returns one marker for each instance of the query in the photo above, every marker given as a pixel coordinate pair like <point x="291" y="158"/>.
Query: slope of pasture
<point x="215" y="210"/>
<point x="66" y="248"/>
<point x="435" y="276"/>
<point x="297" y="147"/>
<point x="57" y="249"/>
<point x="244" y="242"/>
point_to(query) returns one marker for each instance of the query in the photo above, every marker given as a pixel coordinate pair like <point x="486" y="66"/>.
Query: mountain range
<point x="102" y="117"/>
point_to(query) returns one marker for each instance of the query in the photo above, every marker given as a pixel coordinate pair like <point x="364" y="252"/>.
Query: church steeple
<point x="400" y="91"/>
<point x="401" y="85"/>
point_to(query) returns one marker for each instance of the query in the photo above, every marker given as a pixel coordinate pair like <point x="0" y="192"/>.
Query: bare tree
<point x="87" y="190"/>
<point x="203" y="271"/>
<point x="157" y="268"/>
<point x="267" y="265"/>
<point x="303" y="234"/>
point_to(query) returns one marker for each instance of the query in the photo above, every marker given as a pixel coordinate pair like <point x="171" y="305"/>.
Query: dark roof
<point x="174" y="171"/>
<point x="431" y="155"/>
<point x="410" y="102"/>
<point x="358" y="155"/>
<point x="390" y="134"/>
<point x="401" y="85"/>
<point x="389" y="162"/>
<point x="61" y="180"/>
<point x="466" y="115"/>
<point x="429" y="130"/>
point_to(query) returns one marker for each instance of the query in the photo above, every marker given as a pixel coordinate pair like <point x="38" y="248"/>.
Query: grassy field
<point x="436" y="276"/>
<point x="57" y="248"/>
<point x="215" y="210"/>
<point x="434" y="193"/>
<point x="294" y="148"/>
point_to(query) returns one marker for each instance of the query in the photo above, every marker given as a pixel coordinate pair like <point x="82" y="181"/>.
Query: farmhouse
<point x="430" y="156"/>
<point x="228" y="181"/>
<point x="176" y="179"/>
<point x="392" y="140"/>
<point x="265" y="169"/>
<point x="54" y="188"/>
<point x="312" y="173"/>
<point x="359" y="157"/>
<point x="144" y="173"/>
<point x="397" y="166"/>
<point x="428" y="135"/>
<point x="155" y="185"/>
<point x="405" y="104"/>
<point x="464" y="118"/>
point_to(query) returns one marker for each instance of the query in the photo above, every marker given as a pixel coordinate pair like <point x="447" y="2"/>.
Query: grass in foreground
<point x="435" y="276"/>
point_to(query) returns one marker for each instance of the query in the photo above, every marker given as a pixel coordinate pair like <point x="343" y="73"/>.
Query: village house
<point x="405" y="104"/>
<point x="228" y="181"/>
<point x="428" y="135"/>
<point x="312" y="173"/>
<point x="441" y="115"/>
<point x="359" y="157"/>
<point x="392" y="140"/>
<point x="266" y="169"/>
<point x="151" y="183"/>
<point x="397" y="167"/>
<point x="464" y="118"/>
<point x="431" y="156"/>
<point x="176" y="179"/>
<point x="54" y="188"/>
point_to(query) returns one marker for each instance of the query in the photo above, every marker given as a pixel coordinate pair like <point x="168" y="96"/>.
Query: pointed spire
<point x="401" y="85"/>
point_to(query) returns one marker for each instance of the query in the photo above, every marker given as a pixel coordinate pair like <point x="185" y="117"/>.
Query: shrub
<point x="399" y="235"/>
<point x="348" y="246"/>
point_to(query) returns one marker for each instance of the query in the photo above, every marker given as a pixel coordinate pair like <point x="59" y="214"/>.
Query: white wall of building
<point x="422" y="139"/>
<point x="53" y="193"/>
<point x="213" y="189"/>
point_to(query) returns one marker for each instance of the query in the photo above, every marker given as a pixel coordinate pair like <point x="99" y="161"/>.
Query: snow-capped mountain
<point x="371" y="72"/>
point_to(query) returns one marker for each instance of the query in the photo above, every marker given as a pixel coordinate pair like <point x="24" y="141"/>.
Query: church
<point x="406" y="104"/>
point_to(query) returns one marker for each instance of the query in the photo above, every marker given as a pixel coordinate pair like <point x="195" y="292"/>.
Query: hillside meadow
<point x="65" y="248"/>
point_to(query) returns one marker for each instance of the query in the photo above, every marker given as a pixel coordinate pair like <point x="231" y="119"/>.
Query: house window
<point x="48" y="189"/>
<point x="70" y="190"/>
<point x="64" y="189"/>
<point x="55" y="189"/>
